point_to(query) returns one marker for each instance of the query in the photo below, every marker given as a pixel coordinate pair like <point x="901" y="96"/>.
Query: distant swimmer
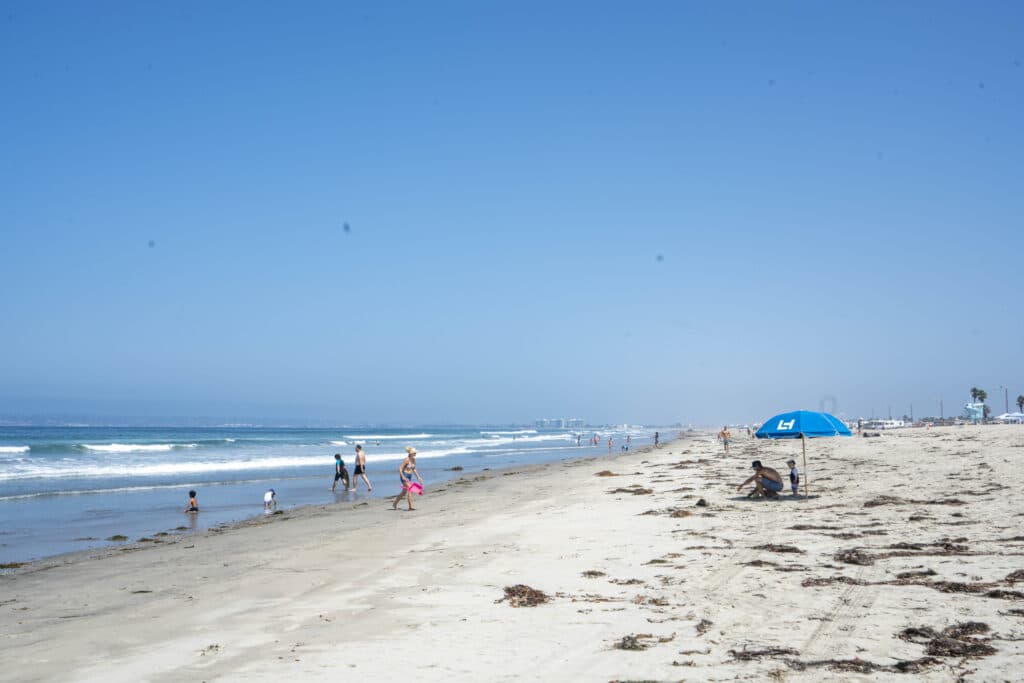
<point x="193" y="504"/>
<point x="360" y="471"/>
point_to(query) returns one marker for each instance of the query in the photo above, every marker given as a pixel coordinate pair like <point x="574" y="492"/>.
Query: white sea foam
<point x="15" y="449"/>
<point x="136" y="447"/>
<point x="339" y="443"/>
<point x="509" y="433"/>
<point x="382" y="437"/>
<point x="133" y="469"/>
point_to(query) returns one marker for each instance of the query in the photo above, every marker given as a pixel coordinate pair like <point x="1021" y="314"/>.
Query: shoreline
<point x="261" y="518"/>
<point x="643" y="582"/>
<point x="43" y="523"/>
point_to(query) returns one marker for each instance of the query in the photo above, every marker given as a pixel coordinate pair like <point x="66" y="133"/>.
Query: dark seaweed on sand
<point x="954" y="641"/>
<point x="521" y="595"/>
<point x="1015" y="576"/>
<point x="826" y="581"/>
<point x="635" y="489"/>
<point x="748" y="655"/>
<point x="771" y="547"/>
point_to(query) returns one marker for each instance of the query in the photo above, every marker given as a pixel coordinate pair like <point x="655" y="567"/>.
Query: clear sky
<point x="626" y="212"/>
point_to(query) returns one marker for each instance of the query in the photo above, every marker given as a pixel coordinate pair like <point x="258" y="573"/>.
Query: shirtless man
<point x="767" y="480"/>
<point x="360" y="471"/>
<point x="724" y="436"/>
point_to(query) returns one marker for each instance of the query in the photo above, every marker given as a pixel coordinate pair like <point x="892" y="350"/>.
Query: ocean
<point x="64" y="489"/>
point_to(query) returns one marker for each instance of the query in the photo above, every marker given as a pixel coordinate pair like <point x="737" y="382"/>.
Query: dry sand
<point x="736" y="589"/>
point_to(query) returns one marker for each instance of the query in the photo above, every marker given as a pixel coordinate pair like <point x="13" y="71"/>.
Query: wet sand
<point x="906" y="564"/>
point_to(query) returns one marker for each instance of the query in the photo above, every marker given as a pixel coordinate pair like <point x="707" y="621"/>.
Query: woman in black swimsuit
<point x="406" y="471"/>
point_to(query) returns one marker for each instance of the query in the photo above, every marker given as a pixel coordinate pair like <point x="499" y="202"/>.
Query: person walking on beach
<point x="609" y="444"/>
<point x="340" y="472"/>
<point x="193" y="504"/>
<point x="629" y="440"/>
<point x="406" y="471"/>
<point x="766" y="480"/>
<point x="657" y="440"/>
<point x="579" y="439"/>
<point x="724" y="437"/>
<point x="360" y="470"/>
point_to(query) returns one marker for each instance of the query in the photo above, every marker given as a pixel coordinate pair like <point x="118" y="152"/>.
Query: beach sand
<point x="917" y="529"/>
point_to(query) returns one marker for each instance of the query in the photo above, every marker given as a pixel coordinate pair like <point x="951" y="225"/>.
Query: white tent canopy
<point x="1011" y="418"/>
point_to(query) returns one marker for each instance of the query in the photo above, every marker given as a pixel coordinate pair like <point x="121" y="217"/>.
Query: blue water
<point x="71" y="488"/>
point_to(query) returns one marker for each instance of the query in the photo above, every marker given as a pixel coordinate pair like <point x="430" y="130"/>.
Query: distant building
<point x="884" y="424"/>
<point x="559" y="423"/>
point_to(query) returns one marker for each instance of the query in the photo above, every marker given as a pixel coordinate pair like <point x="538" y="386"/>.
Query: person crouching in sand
<point x="767" y="481"/>
<point x="406" y="471"/>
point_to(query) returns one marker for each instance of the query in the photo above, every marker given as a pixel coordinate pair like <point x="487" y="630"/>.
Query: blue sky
<point x="646" y="212"/>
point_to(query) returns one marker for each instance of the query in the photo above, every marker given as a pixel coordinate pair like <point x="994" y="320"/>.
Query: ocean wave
<point x="15" y="449"/>
<point x="510" y="433"/>
<point x="136" y="447"/>
<point x="382" y="437"/>
<point x="339" y="443"/>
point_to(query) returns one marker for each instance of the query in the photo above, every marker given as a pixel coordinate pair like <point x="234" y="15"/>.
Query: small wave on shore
<point x="136" y="447"/>
<point x="15" y="449"/>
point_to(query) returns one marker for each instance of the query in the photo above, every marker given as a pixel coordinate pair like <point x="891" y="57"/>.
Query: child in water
<point x="794" y="476"/>
<point x="193" y="504"/>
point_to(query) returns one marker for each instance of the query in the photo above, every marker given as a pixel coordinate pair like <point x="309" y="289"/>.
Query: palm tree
<point x="1020" y="403"/>
<point x="974" y="394"/>
<point x="982" y="395"/>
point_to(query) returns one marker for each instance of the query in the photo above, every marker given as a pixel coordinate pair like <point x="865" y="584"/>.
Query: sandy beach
<point x="901" y="566"/>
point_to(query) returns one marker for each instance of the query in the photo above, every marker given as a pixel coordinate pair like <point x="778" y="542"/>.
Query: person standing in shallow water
<point x="360" y="470"/>
<point x="406" y="471"/>
<point x="340" y="472"/>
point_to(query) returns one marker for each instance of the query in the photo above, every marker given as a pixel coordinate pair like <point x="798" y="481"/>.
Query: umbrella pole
<point x="803" y="443"/>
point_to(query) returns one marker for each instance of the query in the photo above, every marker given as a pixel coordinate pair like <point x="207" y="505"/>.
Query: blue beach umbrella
<point x="803" y="425"/>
